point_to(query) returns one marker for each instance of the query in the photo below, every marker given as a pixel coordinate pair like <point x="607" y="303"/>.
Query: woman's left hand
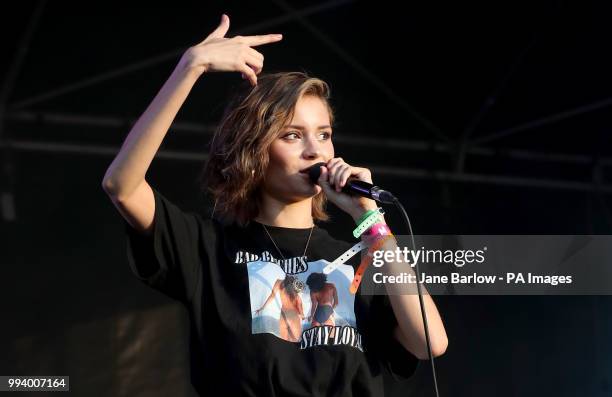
<point x="335" y="174"/>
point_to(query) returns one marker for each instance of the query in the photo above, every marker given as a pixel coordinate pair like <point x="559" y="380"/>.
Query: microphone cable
<point x="400" y="207"/>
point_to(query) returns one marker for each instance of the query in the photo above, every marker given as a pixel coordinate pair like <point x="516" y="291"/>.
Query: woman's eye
<point x="295" y="135"/>
<point x="290" y="134"/>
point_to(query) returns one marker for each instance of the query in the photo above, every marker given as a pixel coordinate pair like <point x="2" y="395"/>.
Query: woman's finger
<point x="255" y="63"/>
<point x="255" y="68"/>
<point x="332" y="165"/>
<point x="341" y="171"/>
<point x="363" y="174"/>
<point x="256" y="54"/>
<point x="332" y="175"/>
<point x="256" y="40"/>
<point x="344" y="176"/>
<point x="331" y="169"/>
<point x="248" y="73"/>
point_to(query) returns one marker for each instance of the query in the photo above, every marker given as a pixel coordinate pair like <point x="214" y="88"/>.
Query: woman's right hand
<point x="220" y="54"/>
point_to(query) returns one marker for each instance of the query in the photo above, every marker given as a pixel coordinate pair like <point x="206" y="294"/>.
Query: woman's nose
<point x="312" y="154"/>
<point x="312" y="149"/>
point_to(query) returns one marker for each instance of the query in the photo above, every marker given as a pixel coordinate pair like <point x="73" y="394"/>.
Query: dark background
<point x="484" y="118"/>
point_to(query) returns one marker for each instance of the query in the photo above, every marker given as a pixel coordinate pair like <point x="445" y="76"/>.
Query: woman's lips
<point x="306" y="176"/>
<point x="307" y="169"/>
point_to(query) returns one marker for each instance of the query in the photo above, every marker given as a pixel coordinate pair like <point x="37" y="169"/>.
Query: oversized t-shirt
<point x="264" y="325"/>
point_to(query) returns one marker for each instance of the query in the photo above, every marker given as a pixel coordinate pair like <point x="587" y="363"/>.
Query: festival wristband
<point x="372" y="218"/>
<point x="378" y="229"/>
<point x="365" y="215"/>
<point x="365" y="262"/>
<point x="351" y="252"/>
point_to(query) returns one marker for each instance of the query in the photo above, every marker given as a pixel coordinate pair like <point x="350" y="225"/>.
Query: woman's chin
<point x="311" y="191"/>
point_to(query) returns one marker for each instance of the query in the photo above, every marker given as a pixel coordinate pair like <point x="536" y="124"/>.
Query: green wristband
<point x="365" y="215"/>
<point x="372" y="217"/>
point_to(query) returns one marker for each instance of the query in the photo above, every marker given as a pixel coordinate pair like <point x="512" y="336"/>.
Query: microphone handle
<point x="356" y="187"/>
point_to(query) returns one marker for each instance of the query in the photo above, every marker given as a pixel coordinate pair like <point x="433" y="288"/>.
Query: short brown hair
<point x="239" y="149"/>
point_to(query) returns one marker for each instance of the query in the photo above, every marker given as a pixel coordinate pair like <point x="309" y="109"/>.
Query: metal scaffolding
<point x="459" y="149"/>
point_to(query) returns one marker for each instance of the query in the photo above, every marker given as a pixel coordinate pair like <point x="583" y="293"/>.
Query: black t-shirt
<point x="262" y="325"/>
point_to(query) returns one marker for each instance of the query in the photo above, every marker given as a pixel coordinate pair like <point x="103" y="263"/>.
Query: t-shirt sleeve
<point x="169" y="259"/>
<point x="399" y="362"/>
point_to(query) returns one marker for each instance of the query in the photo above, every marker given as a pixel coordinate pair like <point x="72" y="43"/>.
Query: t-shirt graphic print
<point x="294" y="300"/>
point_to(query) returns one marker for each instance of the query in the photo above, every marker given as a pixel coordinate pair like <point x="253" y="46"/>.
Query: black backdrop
<point x="430" y="77"/>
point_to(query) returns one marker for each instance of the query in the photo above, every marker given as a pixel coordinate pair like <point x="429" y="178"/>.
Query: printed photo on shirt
<point x="308" y="307"/>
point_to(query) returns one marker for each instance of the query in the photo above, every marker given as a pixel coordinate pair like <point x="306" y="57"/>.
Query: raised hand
<point x="217" y="53"/>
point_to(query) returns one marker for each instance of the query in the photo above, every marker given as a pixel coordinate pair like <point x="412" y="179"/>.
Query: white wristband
<point x="351" y="252"/>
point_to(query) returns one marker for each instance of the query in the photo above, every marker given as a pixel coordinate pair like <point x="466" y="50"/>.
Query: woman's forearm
<point x="129" y="167"/>
<point x="406" y="307"/>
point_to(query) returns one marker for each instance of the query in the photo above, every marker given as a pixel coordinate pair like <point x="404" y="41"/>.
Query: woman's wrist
<point x="186" y="73"/>
<point x="358" y="214"/>
<point x="191" y="65"/>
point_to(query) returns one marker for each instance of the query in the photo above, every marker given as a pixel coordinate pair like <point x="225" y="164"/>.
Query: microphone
<point x="355" y="187"/>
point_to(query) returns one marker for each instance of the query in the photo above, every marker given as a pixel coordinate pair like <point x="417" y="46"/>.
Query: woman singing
<point x="264" y="227"/>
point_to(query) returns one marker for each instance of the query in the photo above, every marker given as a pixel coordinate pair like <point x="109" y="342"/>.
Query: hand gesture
<point x="217" y="53"/>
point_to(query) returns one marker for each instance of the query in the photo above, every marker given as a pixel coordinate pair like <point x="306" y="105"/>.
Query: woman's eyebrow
<point x="299" y="127"/>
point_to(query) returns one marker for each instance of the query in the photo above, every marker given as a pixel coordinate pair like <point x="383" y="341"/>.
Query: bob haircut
<point x="239" y="150"/>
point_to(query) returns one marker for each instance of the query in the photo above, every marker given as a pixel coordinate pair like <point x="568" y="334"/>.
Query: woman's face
<point x="306" y="140"/>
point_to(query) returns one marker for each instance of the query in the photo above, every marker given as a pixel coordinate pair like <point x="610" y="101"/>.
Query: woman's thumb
<point x="222" y="29"/>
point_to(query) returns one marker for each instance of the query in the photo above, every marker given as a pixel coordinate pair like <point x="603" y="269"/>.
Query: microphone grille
<point x="314" y="172"/>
